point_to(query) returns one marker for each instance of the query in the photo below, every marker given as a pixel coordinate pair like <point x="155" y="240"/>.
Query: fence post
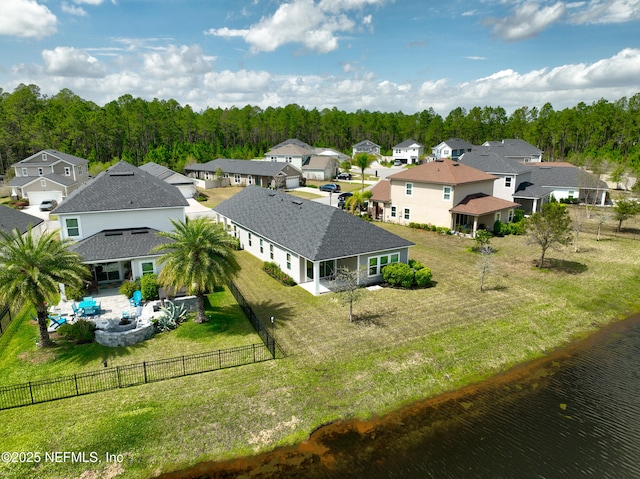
<point x="31" y="393"/>
<point x="75" y="378"/>
<point x="184" y="369"/>
<point x="144" y="368"/>
<point x="118" y="374"/>
<point x="254" y="353"/>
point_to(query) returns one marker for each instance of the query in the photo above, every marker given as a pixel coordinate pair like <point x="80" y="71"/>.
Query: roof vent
<point x="113" y="233"/>
<point x="272" y="193"/>
<point x="297" y="202"/>
<point x="139" y="232"/>
<point x="121" y="173"/>
<point x="455" y="163"/>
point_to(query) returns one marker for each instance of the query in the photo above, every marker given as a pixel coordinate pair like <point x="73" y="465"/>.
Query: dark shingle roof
<point x="407" y="143"/>
<point x="241" y="167"/>
<point x="25" y="180"/>
<point x="165" y="173"/>
<point x="36" y="159"/>
<point x="10" y="219"/>
<point x="546" y="178"/>
<point x="122" y="187"/>
<point x="514" y="148"/>
<point x="489" y="161"/>
<point x="458" y="144"/>
<point x="119" y="244"/>
<point x="312" y="230"/>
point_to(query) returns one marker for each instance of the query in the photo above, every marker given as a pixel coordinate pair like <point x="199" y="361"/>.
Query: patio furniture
<point x="125" y="315"/>
<point x="136" y="299"/>
<point x="56" y="321"/>
<point x="88" y="299"/>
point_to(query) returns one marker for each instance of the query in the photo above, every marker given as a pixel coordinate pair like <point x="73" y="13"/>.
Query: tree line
<point x="163" y="131"/>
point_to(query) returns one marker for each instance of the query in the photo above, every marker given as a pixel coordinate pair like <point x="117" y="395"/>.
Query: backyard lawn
<point x="402" y="347"/>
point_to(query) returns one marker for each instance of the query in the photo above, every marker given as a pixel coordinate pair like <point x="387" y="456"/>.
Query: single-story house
<point x="12" y="219"/>
<point x="270" y="174"/>
<point x="308" y="240"/>
<point x="320" y="168"/>
<point x="186" y="185"/>
<point x="48" y="175"/>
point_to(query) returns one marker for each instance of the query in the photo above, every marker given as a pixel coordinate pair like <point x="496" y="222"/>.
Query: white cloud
<point x="607" y="11"/>
<point x="526" y="20"/>
<point x="90" y="2"/>
<point x="71" y="62"/>
<point x="73" y="10"/>
<point x="26" y="18"/>
<point x="174" y="61"/>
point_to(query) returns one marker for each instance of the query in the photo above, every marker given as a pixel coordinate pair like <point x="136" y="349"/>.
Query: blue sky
<point x="378" y="55"/>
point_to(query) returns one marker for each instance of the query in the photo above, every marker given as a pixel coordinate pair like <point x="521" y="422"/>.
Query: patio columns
<point x="316" y="277"/>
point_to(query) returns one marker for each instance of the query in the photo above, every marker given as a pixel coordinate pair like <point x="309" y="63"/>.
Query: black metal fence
<point x="267" y="336"/>
<point x="5" y="319"/>
<point x="45" y="390"/>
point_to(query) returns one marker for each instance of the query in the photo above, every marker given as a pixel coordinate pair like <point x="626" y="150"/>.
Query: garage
<point x="37" y="197"/>
<point x="293" y="182"/>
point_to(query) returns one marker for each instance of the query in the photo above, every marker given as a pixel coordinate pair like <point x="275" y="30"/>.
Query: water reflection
<point x="575" y="414"/>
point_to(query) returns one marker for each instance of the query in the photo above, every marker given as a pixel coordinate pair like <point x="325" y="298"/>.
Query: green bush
<point x="149" y="286"/>
<point x="398" y="274"/>
<point x="423" y="277"/>
<point x="415" y="265"/>
<point x="79" y="332"/>
<point x="74" y="294"/>
<point x="128" y="288"/>
<point x="275" y="272"/>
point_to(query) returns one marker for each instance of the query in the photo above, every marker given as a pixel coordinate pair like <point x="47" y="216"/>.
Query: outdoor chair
<point x="136" y="299"/>
<point x="56" y="321"/>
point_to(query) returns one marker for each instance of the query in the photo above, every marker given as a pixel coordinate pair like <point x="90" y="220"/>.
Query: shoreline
<point x="314" y="457"/>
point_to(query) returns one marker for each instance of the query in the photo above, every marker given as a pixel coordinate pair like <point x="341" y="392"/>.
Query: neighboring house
<point x="408" y="152"/>
<point x="114" y="219"/>
<point x="48" y="175"/>
<point x="453" y="148"/>
<point x="308" y="240"/>
<point x="320" y="168"/>
<point x="291" y="151"/>
<point x="562" y="181"/>
<point x="12" y="219"/>
<point x="186" y="185"/>
<point x="339" y="156"/>
<point x="509" y="173"/>
<point x="442" y="193"/>
<point x="270" y="174"/>
<point x="366" y="146"/>
<point x="516" y="150"/>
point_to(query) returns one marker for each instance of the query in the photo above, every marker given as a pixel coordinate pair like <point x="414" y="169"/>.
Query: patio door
<point x="103" y="272"/>
<point x="327" y="268"/>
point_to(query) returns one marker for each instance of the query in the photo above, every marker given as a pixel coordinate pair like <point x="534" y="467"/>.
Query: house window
<point x="79" y="170"/>
<point x="44" y="157"/>
<point x="407" y="214"/>
<point x="376" y="263"/>
<point x="271" y="251"/>
<point x="394" y="211"/>
<point x="207" y="177"/>
<point x="147" y="268"/>
<point x="25" y="172"/>
<point x="507" y="181"/>
<point x="43" y="183"/>
<point x="446" y="193"/>
<point x="261" y="246"/>
<point x="408" y="189"/>
<point x="288" y="260"/>
<point x="249" y="239"/>
<point x="571" y="194"/>
<point x="236" y="178"/>
<point x="40" y="172"/>
<point x="73" y="227"/>
<point x="235" y="231"/>
<point x="510" y="216"/>
<point x="67" y="171"/>
<point x="498" y="216"/>
<point x="373" y="266"/>
<point x="249" y="180"/>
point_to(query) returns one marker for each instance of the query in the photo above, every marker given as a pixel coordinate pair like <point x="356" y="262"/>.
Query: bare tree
<point x="485" y="265"/>
<point x="348" y="287"/>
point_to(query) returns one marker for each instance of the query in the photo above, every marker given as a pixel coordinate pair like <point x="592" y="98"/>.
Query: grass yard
<point x="404" y="346"/>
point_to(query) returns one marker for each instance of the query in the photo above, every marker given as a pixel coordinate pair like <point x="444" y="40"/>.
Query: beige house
<point x="441" y="193"/>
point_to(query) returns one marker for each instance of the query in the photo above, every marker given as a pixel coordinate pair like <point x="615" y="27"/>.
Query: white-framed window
<point x="236" y="178"/>
<point x="250" y="237"/>
<point x="289" y="261"/>
<point x="25" y="172"/>
<point x="40" y="171"/>
<point x="207" y="176"/>
<point x="79" y="170"/>
<point x="498" y="216"/>
<point x="43" y="183"/>
<point x="446" y="153"/>
<point x="408" y="189"/>
<point x="271" y="251"/>
<point x="507" y="181"/>
<point x="406" y="214"/>
<point x="73" y="227"/>
<point x="446" y="193"/>
<point x="67" y="171"/>
<point x="44" y="157"/>
<point x="147" y="267"/>
<point x="376" y="263"/>
<point x="571" y="194"/>
<point x="510" y="216"/>
<point x="249" y="180"/>
<point x="261" y="246"/>
<point x="394" y="211"/>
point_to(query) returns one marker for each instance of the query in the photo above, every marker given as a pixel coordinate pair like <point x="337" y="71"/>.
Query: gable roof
<point x="319" y="162"/>
<point x="242" y="167"/>
<point x="119" y="244"/>
<point x="457" y="144"/>
<point x="365" y="143"/>
<point x="312" y="230"/>
<point x="407" y="144"/>
<point x="546" y="177"/>
<point x="445" y="172"/>
<point x="381" y="191"/>
<point x="122" y="187"/>
<point x="480" y="204"/>
<point x="37" y="159"/>
<point x="26" y="180"/>
<point x="514" y="148"/>
<point x="488" y="160"/>
<point x="11" y="219"/>
<point x="164" y="173"/>
<point x="289" y="149"/>
<point x="294" y="141"/>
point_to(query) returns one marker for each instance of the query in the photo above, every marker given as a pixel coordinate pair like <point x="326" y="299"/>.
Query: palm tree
<point x="32" y="269"/>
<point x="199" y="258"/>
<point x="363" y="161"/>
<point x="358" y="200"/>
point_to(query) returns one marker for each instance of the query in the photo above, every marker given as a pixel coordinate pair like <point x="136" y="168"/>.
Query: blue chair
<point x="136" y="299"/>
<point x="56" y="321"/>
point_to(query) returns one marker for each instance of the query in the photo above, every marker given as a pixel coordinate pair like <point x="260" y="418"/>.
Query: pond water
<point x="573" y="414"/>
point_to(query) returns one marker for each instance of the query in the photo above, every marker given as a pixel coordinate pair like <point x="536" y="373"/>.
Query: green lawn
<point x="403" y="346"/>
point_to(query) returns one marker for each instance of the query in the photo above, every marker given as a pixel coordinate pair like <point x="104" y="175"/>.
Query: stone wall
<point x="115" y="339"/>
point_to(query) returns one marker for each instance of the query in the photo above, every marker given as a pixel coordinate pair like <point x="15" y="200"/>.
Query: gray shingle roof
<point x="165" y="173"/>
<point x="25" y="180"/>
<point x="122" y="187"/>
<point x="119" y="244"/>
<point x="313" y="230"/>
<point x="545" y="179"/>
<point x="241" y="167"/>
<point x="10" y="219"/>
<point x="458" y="144"/>
<point x="514" y="148"/>
<point x="36" y="159"/>
<point x="489" y="161"/>
<point x="407" y="143"/>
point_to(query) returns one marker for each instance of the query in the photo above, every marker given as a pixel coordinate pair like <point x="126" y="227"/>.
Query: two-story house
<point x="114" y="219"/>
<point x="408" y="152"/>
<point x="48" y="175"/>
<point x="442" y="193"/>
<point x="291" y="151"/>
<point x="453" y="148"/>
<point x="366" y="146"/>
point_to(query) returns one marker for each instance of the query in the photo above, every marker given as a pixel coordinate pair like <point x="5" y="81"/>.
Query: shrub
<point x="398" y="274"/>
<point x="415" y="265"/>
<point x="423" y="277"/>
<point x="497" y="227"/>
<point x="273" y="270"/>
<point x="74" y="294"/>
<point x="79" y="332"/>
<point x="149" y="286"/>
<point x="172" y="316"/>
<point x="128" y="288"/>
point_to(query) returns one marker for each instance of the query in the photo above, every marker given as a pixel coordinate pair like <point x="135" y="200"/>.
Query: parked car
<point x="342" y="199"/>
<point x="331" y="187"/>
<point x="343" y="176"/>
<point x="48" y="205"/>
<point x="397" y="163"/>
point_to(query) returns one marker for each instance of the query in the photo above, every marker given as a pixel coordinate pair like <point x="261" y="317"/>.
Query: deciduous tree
<point x="549" y="227"/>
